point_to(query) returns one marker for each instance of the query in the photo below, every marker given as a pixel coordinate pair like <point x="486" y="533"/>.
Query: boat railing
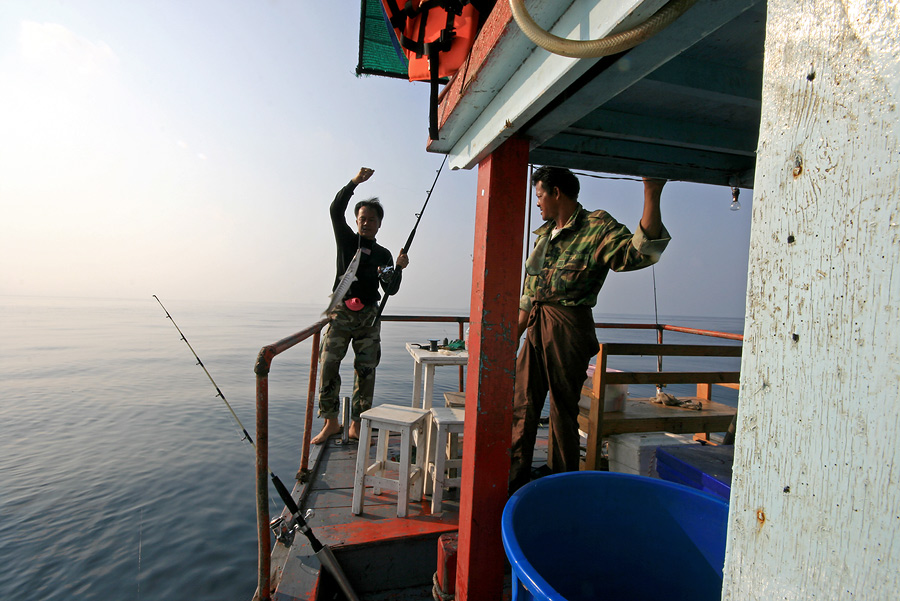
<point x="264" y="363"/>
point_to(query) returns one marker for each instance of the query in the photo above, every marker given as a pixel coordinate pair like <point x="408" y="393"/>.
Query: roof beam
<point x="727" y="84"/>
<point x="652" y="160"/>
<point x="493" y="111"/>
<point x="701" y="20"/>
<point x="638" y="128"/>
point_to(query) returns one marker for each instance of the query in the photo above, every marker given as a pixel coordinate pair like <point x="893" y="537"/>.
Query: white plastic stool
<point x="387" y="419"/>
<point x="443" y="452"/>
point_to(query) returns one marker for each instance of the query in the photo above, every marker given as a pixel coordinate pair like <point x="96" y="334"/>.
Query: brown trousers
<point x="559" y="344"/>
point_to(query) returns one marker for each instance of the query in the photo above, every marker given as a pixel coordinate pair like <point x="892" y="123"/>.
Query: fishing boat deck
<point x="384" y="557"/>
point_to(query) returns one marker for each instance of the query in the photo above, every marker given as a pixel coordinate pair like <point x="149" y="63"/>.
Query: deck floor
<point x="384" y="557"/>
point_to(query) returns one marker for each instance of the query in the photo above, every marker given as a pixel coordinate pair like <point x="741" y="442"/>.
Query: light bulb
<point x="735" y="205"/>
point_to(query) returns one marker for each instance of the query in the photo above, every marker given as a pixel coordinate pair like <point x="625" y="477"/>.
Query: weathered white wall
<point x="815" y="507"/>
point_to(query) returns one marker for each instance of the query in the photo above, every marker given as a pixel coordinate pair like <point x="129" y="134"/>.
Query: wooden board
<point x="642" y="415"/>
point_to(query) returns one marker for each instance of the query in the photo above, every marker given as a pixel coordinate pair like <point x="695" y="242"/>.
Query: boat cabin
<point x="797" y="102"/>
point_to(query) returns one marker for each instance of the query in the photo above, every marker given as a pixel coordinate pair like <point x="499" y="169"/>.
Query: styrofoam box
<point x="613" y="398"/>
<point x="636" y="453"/>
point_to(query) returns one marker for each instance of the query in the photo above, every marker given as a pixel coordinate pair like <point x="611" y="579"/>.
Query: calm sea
<point x="123" y="476"/>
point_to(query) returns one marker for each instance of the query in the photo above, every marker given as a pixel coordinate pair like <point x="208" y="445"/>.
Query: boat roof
<point x="683" y="105"/>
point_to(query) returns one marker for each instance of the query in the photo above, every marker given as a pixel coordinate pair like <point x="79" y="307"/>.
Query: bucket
<point x="594" y="536"/>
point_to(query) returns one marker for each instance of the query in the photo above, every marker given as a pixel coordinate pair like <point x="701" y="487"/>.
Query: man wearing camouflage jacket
<point x="574" y="251"/>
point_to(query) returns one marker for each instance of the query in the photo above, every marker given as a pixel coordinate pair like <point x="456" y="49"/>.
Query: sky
<point x="191" y="150"/>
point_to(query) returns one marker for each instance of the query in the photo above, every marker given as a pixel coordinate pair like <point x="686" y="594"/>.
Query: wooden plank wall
<point x="815" y="506"/>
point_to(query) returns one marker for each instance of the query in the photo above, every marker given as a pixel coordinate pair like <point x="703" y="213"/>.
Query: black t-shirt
<point x="367" y="281"/>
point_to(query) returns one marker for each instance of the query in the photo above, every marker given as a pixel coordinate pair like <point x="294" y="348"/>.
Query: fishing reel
<point x="386" y="274"/>
<point x="285" y="528"/>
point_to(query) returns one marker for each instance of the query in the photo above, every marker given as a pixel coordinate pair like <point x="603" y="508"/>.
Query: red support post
<point x="496" y="281"/>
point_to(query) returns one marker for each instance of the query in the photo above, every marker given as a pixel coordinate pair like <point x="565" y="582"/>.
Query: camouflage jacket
<point x="570" y="268"/>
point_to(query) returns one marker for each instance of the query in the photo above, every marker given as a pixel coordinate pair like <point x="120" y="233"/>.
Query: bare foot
<point x="330" y="428"/>
<point x="354" y="431"/>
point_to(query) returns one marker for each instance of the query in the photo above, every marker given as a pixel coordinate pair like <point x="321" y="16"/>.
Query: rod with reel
<point x="412" y="234"/>
<point x="283" y="528"/>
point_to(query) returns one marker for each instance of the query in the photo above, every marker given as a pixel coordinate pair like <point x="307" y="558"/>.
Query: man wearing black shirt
<point x="353" y="321"/>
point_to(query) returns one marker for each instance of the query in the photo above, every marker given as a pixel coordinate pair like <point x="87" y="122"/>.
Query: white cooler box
<point x="613" y="398"/>
<point x="636" y="453"/>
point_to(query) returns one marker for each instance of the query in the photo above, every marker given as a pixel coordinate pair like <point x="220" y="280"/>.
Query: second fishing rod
<point x="412" y="234"/>
<point x="283" y="528"/>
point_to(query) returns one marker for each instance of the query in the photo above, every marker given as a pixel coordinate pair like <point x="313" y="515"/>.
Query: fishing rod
<point x="283" y="529"/>
<point x="412" y="235"/>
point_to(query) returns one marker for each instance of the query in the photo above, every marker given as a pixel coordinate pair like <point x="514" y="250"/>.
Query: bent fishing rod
<point x="284" y="529"/>
<point x="412" y="235"/>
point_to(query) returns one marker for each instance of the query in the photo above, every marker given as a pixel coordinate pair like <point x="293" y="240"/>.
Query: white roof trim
<point x="497" y="109"/>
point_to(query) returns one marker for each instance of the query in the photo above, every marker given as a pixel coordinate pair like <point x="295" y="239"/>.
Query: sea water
<point x="123" y="476"/>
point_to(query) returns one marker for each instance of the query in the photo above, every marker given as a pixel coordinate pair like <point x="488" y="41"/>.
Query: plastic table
<point x="425" y="360"/>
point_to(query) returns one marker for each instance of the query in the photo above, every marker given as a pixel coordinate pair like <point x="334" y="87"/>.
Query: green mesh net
<point x="379" y="52"/>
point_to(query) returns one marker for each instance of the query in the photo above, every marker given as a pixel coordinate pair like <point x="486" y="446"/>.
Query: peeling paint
<point x="815" y="467"/>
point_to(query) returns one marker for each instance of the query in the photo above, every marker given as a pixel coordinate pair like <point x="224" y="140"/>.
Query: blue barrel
<point x="594" y="536"/>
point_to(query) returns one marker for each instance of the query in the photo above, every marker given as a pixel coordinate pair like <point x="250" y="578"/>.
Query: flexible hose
<point x="604" y="46"/>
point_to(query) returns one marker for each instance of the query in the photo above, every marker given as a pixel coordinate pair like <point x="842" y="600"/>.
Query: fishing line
<point x="412" y="235"/>
<point x="200" y="363"/>
<point x="284" y="529"/>
<point x="244" y="434"/>
<point x="140" y="545"/>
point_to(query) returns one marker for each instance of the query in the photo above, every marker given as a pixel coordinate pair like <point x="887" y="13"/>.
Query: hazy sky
<point x="190" y="149"/>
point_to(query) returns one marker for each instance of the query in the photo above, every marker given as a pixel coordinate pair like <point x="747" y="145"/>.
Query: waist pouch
<point x="354" y="304"/>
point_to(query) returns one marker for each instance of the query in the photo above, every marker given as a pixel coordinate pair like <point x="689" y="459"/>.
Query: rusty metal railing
<point x="263" y="365"/>
<point x="668" y="328"/>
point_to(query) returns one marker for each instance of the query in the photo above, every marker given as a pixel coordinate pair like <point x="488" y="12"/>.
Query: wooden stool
<point x="455" y="399"/>
<point x="387" y="419"/>
<point x="443" y="452"/>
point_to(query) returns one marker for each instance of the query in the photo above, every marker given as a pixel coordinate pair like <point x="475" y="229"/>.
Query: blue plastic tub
<point x="704" y="467"/>
<point x="591" y="536"/>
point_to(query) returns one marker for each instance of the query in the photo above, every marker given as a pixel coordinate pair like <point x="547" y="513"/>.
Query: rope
<point x="437" y="593"/>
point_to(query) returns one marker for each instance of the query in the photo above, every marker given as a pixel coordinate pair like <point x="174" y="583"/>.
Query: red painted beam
<point x="375" y="531"/>
<point x="496" y="286"/>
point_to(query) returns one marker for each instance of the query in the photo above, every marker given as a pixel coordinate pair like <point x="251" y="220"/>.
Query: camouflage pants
<point x="346" y="327"/>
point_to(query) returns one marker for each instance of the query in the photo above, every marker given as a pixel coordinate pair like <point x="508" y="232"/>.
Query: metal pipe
<point x="462" y="370"/>
<point x="659" y="340"/>
<point x="262" y="367"/>
<point x="711" y="333"/>
<point x="262" y="486"/>
<point x="653" y="326"/>
<point x="426" y="318"/>
<point x="303" y="474"/>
